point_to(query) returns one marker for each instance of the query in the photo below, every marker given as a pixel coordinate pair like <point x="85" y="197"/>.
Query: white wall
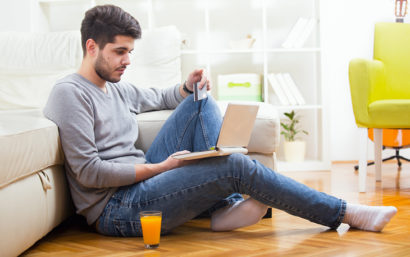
<point x="21" y="15"/>
<point x="347" y="33"/>
<point x="14" y="15"/>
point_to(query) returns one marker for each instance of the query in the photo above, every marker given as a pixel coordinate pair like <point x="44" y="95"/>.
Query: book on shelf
<point x="294" y="89"/>
<point x="294" y="32"/>
<point x="274" y="83"/>
<point x="303" y="37"/>
<point x="299" y="33"/>
<point x="285" y="89"/>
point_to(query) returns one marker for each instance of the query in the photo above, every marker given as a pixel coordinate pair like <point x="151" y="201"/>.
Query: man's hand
<point x="194" y="77"/>
<point x="172" y="163"/>
<point x="145" y="171"/>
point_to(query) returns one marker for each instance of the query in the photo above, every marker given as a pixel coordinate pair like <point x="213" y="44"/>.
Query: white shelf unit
<point x="209" y="25"/>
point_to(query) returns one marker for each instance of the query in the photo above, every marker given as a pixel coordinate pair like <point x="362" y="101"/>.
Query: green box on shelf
<point x="240" y="86"/>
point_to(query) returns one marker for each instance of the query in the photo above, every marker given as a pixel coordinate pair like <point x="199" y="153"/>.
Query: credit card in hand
<point x="199" y="94"/>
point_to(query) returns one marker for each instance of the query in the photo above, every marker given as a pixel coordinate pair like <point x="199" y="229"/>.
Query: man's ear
<point x="92" y="47"/>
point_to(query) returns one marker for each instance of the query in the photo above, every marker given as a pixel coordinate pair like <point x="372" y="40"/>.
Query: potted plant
<point x="294" y="149"/>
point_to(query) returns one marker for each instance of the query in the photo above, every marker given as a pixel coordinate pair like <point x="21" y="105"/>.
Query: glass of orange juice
<point x="151" y="228"/>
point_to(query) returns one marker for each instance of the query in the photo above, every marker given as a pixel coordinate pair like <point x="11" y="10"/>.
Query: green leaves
<point x="290" y="127"/>
<point x="290" y="115"/>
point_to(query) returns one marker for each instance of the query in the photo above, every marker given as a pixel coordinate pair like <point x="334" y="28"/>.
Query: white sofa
<point x="34" y="196"/>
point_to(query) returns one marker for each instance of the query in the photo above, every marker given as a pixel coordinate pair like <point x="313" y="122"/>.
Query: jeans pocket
<point x="127" y="228"/>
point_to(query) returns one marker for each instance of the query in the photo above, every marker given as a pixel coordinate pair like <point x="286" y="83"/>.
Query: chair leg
<point x="378" y="141"/>
<point x="356" y="167"/>
<point x="362" y="159"/>
<point x="399" y="157"/>
<point x="403" y="158"/>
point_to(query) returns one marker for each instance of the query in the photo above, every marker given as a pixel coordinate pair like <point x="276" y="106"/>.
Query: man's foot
<point x="371" y="218"/>
<point x="238" y="215"/>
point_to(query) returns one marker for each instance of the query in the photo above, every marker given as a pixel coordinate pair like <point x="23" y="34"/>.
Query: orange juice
<point x="151" y="228"/>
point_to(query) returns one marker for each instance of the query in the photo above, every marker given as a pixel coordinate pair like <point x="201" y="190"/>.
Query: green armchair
<point x="380" y="90"/>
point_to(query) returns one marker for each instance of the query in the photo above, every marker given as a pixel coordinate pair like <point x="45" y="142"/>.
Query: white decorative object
<point x="240" y="86"/>
<point x="294" y="151"/>
<point x="241" y="44"/>
<point x="400" y="10"/>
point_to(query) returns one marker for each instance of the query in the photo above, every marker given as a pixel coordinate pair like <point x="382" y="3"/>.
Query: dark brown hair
<point x="102" y="23"/>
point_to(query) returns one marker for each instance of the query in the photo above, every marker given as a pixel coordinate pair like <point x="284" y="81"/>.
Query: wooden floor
<point x="282" y="235"/>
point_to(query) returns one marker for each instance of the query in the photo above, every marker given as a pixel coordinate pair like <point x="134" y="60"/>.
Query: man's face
<point x="113" y="59"/>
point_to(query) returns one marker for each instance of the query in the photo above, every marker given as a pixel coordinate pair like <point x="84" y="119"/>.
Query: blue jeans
<point x="184" y="193"/>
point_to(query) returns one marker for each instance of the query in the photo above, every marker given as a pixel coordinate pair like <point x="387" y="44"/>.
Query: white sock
<point x="238" y="215"/>
<point x="371" y="218"/>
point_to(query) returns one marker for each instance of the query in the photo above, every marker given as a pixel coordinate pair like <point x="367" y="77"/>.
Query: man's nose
<point x="126" y="60"/>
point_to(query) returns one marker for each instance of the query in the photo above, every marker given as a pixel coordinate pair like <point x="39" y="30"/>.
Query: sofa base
<point x="29" y="211"/>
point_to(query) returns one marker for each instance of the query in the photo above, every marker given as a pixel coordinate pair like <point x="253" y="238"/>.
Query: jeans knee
<point x="240" y="162"/>
<point x="209" y="105"/>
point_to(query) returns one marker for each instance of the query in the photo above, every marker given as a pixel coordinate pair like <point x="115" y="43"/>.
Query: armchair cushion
<point x="389" y="113"/>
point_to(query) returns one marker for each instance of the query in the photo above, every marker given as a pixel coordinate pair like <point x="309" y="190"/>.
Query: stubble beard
<point x="102" y="69"/>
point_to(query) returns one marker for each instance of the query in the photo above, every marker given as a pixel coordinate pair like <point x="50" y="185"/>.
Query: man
<point x="111" y="181"/>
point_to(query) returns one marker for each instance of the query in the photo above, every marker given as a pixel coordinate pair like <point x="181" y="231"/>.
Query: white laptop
<point x="234" y="135"/>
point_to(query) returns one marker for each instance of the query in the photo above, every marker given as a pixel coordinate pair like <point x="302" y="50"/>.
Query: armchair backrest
<point x="392" y="47"/>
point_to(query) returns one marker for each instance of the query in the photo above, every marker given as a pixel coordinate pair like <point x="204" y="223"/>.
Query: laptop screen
<point x="237" y="125"/>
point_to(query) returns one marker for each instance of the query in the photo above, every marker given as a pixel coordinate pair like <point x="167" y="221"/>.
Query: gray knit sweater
<point x="98" y="131"/>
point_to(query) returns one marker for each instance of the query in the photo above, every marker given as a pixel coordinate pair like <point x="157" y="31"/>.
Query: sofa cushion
<point x="156" y="59"/>
<point x="36" y="53"/>
<point x="264" y="138"/>
<point x="28" y="143"/>
<point x="31" y="63"/>
<point x="149" y="124"/>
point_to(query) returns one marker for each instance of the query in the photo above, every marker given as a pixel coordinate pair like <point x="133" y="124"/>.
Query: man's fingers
<point x="204" y="79"/>
<point x="199" y="75"/>
<point x="208" y="85"/>
<point x="180" y="152"/>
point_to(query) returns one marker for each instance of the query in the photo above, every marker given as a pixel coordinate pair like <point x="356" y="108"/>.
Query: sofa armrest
<point x="149" y="124"/>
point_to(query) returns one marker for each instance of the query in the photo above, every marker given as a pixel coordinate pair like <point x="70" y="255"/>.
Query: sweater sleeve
<point x="73" y="113"/>
<point x="152" y="99"/>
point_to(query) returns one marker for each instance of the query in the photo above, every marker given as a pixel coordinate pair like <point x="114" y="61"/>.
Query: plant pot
<point x="295" y="151"/>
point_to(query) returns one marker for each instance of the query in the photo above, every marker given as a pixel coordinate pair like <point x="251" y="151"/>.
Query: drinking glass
<point x="151" y="228"/>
